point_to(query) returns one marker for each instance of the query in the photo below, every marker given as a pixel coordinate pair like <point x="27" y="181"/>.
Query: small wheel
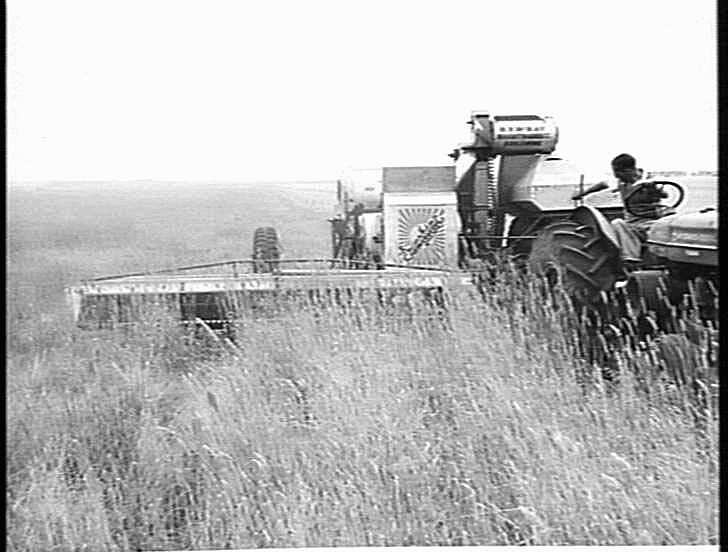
<point x="645" y="200"/>
<point x="266" y="249"/>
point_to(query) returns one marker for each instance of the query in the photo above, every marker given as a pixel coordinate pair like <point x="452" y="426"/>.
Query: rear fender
<point x="588" y="215"/>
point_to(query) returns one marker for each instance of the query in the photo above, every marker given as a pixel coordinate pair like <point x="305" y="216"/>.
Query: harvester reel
<point x="648" y="192"/>
<point x="266" y="249"/>
<point x="577" y="256"/>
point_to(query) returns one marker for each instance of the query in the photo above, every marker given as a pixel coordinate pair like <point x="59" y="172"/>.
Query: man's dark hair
<point x="624" y="161"/>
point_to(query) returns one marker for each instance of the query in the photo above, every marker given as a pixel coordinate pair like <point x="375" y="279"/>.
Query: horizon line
<point x="663" y="172"/>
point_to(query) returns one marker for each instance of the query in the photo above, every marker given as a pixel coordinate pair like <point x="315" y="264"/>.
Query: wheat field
<point x="320" y="428"/>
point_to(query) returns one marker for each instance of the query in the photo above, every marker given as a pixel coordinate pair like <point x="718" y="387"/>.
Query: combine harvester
<point x="422" y="229"/>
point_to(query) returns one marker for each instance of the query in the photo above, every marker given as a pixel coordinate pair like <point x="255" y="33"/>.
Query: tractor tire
<point x="266" y="250"/>
<point x="523" y="225"/>
<point x="578" y="256"/>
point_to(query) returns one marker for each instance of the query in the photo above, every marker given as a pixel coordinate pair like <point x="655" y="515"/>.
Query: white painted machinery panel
<point x="421" y="221"/>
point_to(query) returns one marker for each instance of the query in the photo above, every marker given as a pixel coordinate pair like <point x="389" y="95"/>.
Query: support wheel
<point x="266" y="250"/>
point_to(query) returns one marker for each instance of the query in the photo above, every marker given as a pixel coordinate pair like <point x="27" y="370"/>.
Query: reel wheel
<point x="266" y="249"/>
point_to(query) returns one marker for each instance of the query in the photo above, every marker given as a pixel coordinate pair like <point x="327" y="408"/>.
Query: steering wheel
<point x="646" y="199"/>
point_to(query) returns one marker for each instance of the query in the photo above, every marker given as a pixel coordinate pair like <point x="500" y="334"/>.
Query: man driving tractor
<point x="644" y="208"/>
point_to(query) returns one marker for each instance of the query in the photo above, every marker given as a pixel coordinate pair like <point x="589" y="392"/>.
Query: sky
<point x="247" y="90"/>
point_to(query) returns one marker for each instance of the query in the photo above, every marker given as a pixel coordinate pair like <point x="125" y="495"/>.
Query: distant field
<point x="60" y="233"/>
<point x="321" y="429"/>
<point x="700" y="191"/>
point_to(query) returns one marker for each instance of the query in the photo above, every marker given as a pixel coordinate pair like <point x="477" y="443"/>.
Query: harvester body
<point x="421" y="223"/>
<point x="513" y="187"/>
<point x="398" y="229"/>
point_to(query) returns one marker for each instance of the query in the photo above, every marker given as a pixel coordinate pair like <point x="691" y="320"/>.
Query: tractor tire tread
<point x="589" y="264"/>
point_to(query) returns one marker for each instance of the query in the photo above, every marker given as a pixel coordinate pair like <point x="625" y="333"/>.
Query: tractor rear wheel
<point x="266" y="249"/>
<point x="578" y="256"/>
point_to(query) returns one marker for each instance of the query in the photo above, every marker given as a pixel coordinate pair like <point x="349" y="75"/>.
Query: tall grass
<point x="322" y="427"/>
<point x="332" y="428"/>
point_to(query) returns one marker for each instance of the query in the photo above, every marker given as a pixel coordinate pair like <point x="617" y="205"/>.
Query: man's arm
<point x="598" y="187"/>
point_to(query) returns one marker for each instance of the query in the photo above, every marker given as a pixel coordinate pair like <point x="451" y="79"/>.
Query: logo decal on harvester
<point x="421" y="235"/>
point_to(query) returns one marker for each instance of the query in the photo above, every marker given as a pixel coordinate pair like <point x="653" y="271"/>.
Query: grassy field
<point x="318" y="431"/>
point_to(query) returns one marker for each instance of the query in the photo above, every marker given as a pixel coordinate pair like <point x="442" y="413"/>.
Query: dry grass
<point x="324" y="429"/>
<point x="317" y="433"/>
